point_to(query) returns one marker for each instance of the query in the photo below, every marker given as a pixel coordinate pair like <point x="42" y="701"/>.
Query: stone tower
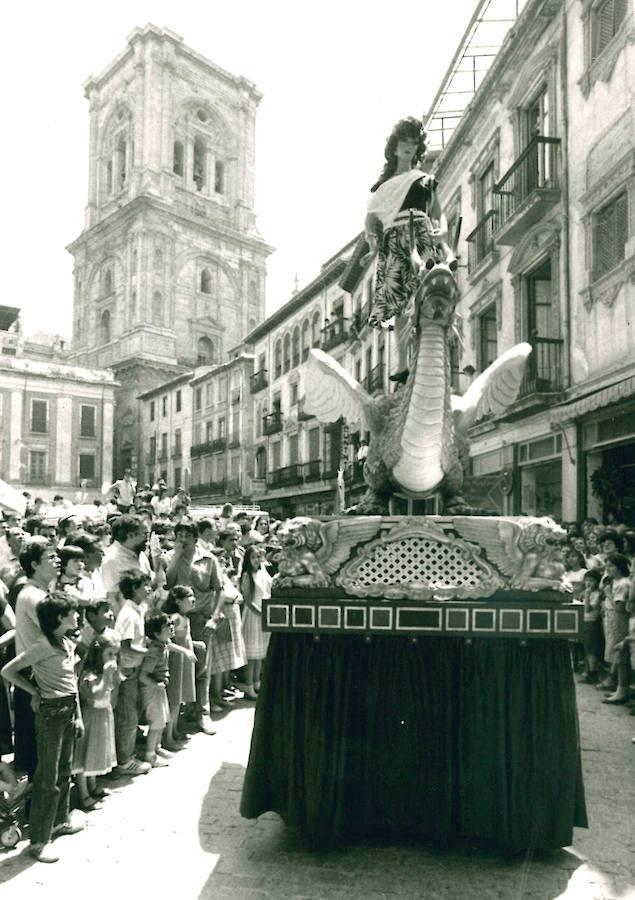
<point x="170" y="268"/>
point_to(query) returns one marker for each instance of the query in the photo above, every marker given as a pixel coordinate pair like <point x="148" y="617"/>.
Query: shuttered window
<point x="39" y="416"/>
<point x="610" y="234"/>
<point x="87" y="421"/>
<point x="607" y="19"/>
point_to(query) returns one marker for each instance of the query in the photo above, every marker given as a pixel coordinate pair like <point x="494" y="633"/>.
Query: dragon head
<point x="436" y="296"/>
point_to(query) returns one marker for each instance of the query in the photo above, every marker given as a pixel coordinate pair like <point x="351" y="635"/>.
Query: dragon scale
<point x="420" y="466"/>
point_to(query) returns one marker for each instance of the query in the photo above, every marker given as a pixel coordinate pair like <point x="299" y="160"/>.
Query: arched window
<point x="107" y="282"/>
<point x="315" y="329"/>
<point x="121" y="164"/>
<point x="206" y="282"/>
<point x="277" y="359"/>
<point x="157" y="308"/>
<point x="177" y="158"/>
<point x="199" y="163"/>
<point x="104" y="328"/>
<point x="158" y="258"/>
<point x="133" y="308"/>
<point x="306" y="339"/>
<point x="286" y="353"/>
<point x="109" y="177"/>
<point x="205" y="354"/>
<point x="261" y="463"/>
<point x="295" y="347"/>
<point x="252" y="324"/>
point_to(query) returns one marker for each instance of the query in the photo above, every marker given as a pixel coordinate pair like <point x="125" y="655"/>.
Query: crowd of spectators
<point x="599" y="565"/>
<point x="122" y="632"/>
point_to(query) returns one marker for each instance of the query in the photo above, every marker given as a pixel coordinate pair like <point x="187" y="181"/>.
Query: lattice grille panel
<point x="425" y="562"/>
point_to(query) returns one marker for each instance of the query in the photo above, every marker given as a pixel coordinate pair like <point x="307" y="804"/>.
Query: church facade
<point x="169" y="271"/>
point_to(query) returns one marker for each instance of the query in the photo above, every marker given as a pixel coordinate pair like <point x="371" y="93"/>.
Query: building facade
<point x="548" y="255"/>
<point x="170" y="268"/>
<point x="166" y="413"/>
<point x="56" y="420"/>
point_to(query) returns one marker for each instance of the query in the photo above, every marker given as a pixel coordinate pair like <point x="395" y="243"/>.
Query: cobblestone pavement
<point x="177" y="833"/>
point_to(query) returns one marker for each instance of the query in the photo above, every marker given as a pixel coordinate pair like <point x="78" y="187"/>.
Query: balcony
<point x="219" y="444"/>
<point x="272" y="423"/>
<point x="303" y="416"/>
<point x="285" y="476"/>
<point x="544" y="368"/>
<point x="209" y="488"/>
<point x="528" y="190"/>
<point x="151" y="457"/>
<point x="235" y="396"/>
<point x="335" y="333"/>
<point x="258" y="381"/>
<point x="163" y="456"/>
<point x="235" y="442"/>
<point x="201" y="449"/>
<point x="177" y="453"/>
<point x="312" y="470"/>
<point x="481" y="241"/>
<point x="374" y="381"/>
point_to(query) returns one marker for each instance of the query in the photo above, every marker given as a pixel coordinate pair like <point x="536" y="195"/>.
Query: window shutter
<point x="605" y="28"/>
<point x="39" y="416"/>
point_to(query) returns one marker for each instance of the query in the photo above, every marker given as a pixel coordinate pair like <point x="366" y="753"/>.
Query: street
<point x="177" y="833"/>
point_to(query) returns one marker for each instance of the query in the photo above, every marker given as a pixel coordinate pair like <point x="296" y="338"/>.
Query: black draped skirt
<point x="436" y="740"/>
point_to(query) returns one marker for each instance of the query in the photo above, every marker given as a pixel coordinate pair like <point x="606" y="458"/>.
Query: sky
<point x="335" y="76"/>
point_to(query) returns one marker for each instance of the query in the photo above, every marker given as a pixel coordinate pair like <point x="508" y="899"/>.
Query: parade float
<point x="418" y="683"/>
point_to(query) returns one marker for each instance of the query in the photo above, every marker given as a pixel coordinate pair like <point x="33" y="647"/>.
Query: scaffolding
<point x="478" y="48"/>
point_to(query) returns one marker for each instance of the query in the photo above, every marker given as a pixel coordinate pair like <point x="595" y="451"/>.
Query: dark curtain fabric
<point x="436" y="740"/>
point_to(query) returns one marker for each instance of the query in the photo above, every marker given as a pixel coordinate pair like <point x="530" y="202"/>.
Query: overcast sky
<point x="335" y="77"/>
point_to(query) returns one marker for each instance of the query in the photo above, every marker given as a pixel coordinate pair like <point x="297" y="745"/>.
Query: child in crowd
<point x="58" y="720"/>
<point x="181" y="687"/>
<point x="153" y="679"/>
<point x="591" y="596"/>
<point x="135" y="589"/>
<point x="255" y="586"/>
<point x="616" y="586"/>
<point x="95" y="753"/>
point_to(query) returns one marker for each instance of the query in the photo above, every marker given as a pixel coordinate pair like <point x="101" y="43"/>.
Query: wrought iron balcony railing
<point x="335" y="333"/>
<point x="374" y="381"/>
<point x="481" y="241"/>
<point x="258" y="381"/>
<point x="218" y="444"/>
<point x="544" y="367"/>
<point x="302" y="414"/>
<point x="537" y="170"/>
<point x="272" y="422"/>
<point x="312" y="470"/>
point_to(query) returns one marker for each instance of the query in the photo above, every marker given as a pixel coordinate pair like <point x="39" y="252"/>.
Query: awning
<point x="612" y="394"/>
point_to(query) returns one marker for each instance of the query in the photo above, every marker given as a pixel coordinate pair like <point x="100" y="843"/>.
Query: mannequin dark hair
<point x="405" y="129"/>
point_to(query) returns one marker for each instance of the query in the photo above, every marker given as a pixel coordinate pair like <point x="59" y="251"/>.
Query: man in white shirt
<point x="126" y="488"/>
<point x="125" y="553"/>
<point x="41" y="564"/>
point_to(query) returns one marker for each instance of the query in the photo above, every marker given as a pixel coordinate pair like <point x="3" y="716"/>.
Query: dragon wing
<point x="330" y="392"/>
<point x="340" y="536"/>
<point x="495" y="389"/>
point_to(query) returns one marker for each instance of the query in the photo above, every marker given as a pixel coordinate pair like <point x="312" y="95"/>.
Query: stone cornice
<point x="612" y="181"/>
<point x="146" y="202"/>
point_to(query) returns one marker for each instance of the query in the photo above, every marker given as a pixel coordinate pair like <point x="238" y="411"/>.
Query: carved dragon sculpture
<point x="418" y="434"/>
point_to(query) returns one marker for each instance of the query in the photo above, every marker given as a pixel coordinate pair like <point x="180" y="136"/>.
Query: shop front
<point x="608" y="444"/>
<point x="539" y="490"/>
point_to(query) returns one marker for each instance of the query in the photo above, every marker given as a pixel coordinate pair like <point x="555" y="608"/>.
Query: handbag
<point x="223" y="631"/>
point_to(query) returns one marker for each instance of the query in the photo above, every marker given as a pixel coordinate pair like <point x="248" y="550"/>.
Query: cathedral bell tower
<point x="170" y="268"/>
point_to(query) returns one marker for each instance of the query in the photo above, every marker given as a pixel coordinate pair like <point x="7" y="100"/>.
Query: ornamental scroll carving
<point x="421" y="558"/>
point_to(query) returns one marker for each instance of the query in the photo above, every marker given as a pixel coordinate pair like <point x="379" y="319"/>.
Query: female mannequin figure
<point x="402" y="191"/>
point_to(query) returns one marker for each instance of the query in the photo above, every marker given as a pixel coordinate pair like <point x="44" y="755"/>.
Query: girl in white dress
<point x="255" y="586"/>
